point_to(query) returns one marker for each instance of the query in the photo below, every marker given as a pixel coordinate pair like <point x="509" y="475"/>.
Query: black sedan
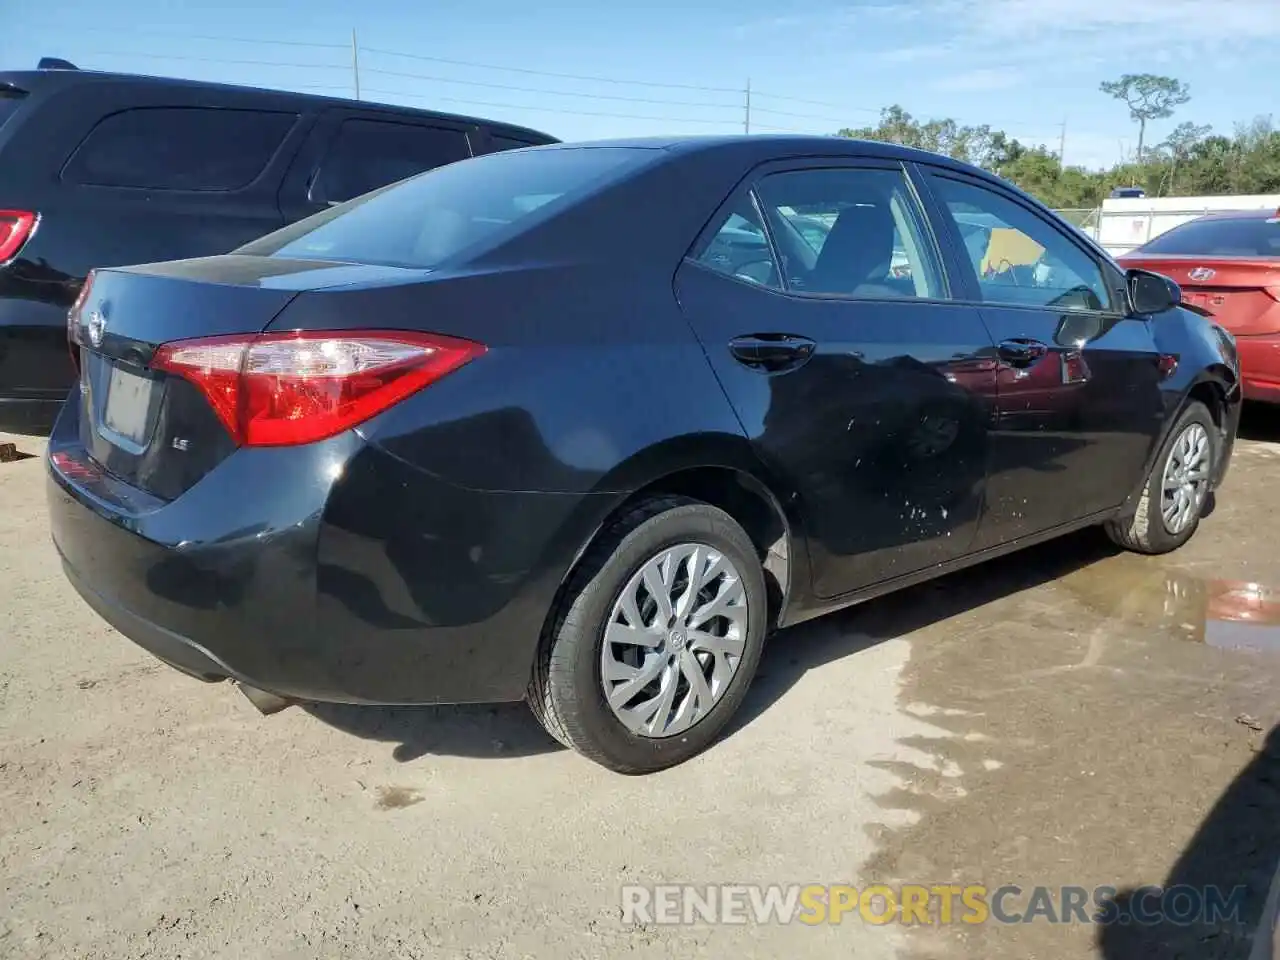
<point x="528" y="427"/>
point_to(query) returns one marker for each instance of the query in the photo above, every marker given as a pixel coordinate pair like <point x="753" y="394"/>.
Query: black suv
<point x="100" y="169"/>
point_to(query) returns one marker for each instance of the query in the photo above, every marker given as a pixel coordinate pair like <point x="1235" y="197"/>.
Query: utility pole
<point x="1062" y="146"/>
<point x="355" y="62"/>
<point x="746" y="120"/>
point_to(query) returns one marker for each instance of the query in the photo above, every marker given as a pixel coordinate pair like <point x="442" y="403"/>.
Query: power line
<point x="258" y="40"/>
<point x="548" y="93"/>
<point x="548" y="73"/>
<point x="513" y="106"/>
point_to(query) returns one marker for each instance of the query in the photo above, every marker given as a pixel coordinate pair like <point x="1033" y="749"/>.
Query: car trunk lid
<point x="1241" y="293"/>
<point x="154" y="430"/>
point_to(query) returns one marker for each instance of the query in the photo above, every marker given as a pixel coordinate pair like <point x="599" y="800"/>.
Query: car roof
<point x="34" y="81"/>
<point x="1263" y="213"/>
<point x="761" y="148"/>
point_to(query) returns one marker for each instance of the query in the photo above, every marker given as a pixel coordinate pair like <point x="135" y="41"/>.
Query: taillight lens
<point x="15" y="227"/>
<point x="280" y="389"/>
<point x="73" y="318"/>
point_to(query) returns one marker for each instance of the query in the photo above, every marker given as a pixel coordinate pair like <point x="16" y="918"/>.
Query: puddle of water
<point x="1227" y="614"/>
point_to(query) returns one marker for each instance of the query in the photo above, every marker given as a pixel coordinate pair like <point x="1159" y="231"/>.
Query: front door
<point x="819" y="295"/>
<point x="1079" y="381"/>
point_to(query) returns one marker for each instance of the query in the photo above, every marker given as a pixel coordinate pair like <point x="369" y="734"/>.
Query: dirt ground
<point x="1068" y="716"/>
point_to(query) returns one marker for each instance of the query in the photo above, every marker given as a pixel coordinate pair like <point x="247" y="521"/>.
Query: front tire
<point x="656" y="641"/>
<point x="1177" y="488"/>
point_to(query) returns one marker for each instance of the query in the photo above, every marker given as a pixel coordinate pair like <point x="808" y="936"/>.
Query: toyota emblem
<point x="97" y="326"/>
<point x="1202" y="273"/>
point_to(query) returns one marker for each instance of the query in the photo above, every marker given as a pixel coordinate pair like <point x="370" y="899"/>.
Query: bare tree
<point x="1149" y="97"/>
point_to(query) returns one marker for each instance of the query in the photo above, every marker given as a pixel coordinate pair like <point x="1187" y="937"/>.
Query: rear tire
<point x="568" y="693"/>
<point x="1149" y="530"/>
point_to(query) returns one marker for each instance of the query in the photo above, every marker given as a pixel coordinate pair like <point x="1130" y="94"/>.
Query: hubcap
<point x="1186" y="478"/>
<point x="674" y="640"/>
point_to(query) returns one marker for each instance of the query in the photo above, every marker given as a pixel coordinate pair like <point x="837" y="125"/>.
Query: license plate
<point x="128" y="405"/>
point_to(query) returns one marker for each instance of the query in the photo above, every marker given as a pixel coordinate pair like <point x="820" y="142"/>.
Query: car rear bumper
<point x="329" y="572"/>
<point x="1260" y="367"/>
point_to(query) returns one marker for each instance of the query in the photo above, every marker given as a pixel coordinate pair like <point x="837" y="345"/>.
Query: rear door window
<point x="851" y="232"/>
<point x="434" y="217"/>
<point x="9" y="100"/>
<point x="179" y="148"/>
<point x="367" y="154"/>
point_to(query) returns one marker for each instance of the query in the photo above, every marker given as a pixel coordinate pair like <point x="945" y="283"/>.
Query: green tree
<point x="1149" y="97"/>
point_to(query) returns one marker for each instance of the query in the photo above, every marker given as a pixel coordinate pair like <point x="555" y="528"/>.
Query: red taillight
<point x="15" y="227"/>
<point x="73" y="319"/>
<point x="279" y="389"/>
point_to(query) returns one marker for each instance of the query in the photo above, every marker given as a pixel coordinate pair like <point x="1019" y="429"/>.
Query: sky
<point x="583" y="70"/>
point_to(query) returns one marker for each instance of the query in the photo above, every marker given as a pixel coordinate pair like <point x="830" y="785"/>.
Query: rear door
<point x="351" y="152"/>
<point x="1079" y="382"/>
<point x="857" y="379"/>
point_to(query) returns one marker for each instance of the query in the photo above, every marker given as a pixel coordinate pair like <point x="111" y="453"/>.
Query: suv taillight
<point x="281" y="389"/>
<point x="16" y="226"/>
<point x="73" y="319"/>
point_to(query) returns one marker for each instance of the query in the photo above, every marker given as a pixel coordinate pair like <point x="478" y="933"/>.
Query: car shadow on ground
<point x="510" y="730"/>
<point x="493" y="731"/>
<point x="1261" y="422"/>
<point x="791" y="653"/>
<point x="1237" y="847"/>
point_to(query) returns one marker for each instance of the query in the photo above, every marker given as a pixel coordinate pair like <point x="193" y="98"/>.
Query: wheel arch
<point x="721" y="470"/>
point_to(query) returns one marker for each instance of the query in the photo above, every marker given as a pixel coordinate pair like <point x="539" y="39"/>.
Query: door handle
<point x="1021" y="352"/>
<point x="771" y="352"/>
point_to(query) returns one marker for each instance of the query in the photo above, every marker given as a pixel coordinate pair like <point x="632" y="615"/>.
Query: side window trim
<point x="919" y="213"/>
<point x="717" y="222"/>
<point x="930" y="171"/>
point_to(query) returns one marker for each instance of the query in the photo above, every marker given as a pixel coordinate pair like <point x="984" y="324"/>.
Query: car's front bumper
<point x="331" y="572"/>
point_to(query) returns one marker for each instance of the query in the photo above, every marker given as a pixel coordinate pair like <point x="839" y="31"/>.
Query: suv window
<point x="435" y="217"/>
<point x="9" y="100"/>
<point x="368" y="154"/>
<point x="851" y="232"/>
<point x="179" y="148"/>
<point x="1017" y="256"/>
<point x="739" y="247"/>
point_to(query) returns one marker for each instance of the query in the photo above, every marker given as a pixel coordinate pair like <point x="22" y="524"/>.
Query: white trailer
<point x="1123" y="224"/>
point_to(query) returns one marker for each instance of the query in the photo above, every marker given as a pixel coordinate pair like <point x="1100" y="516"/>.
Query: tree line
<point x="1192" y="160"/>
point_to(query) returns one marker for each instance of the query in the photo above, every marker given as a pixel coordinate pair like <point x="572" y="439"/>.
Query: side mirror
<point x="1151" y="293"/>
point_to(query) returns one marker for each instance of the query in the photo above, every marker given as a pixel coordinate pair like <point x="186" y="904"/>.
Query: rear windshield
<point x="1252" y="237"/>
<point x="431" y="218"/>
<point x="9" y="100"/>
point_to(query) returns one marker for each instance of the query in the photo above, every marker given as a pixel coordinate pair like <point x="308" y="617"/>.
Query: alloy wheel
<point x="1186" y="478"/>
<point x="674" y="640"/>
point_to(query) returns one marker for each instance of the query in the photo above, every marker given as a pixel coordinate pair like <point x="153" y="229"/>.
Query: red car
<point x="1228" y="265"/>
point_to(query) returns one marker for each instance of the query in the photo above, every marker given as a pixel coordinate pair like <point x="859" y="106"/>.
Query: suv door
<point x="1079" y="380"/>
<point x="351" y="152"/>
<point x="819" y="295"/>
